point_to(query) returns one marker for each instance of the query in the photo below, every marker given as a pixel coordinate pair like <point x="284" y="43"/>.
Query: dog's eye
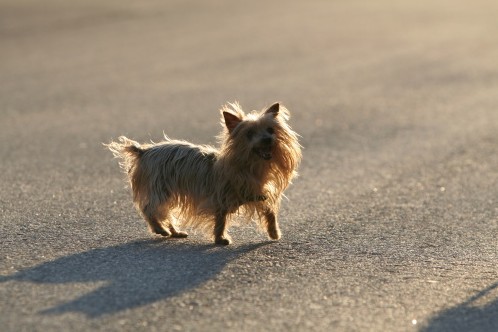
<point x="270" y="130"/>
<point x="250" y="134"/>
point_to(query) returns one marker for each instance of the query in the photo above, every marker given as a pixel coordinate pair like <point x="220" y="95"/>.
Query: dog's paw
<point x="222" y="241"/>
<point x="274" y="234"/>
<point x="162" y="232"/>
<point x="179" y="234"/>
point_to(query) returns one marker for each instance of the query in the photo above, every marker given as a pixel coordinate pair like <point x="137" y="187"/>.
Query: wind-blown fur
<point x="175" y="182"/>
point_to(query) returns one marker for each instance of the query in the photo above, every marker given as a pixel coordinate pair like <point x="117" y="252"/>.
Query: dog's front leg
<point x="272" y="224"/>
<point x="220" y="233"/>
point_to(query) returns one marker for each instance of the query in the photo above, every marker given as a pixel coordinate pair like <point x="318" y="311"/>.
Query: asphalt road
<point x="391" y="226"/>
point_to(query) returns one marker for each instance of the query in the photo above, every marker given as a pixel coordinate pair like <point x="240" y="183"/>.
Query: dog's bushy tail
<point x="128" y="151"/>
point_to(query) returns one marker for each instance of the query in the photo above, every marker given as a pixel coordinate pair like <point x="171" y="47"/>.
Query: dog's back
<point x="175" y="168"/>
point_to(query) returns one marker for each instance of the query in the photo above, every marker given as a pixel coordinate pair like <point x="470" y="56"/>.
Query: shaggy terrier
<point x="178" y="183"/>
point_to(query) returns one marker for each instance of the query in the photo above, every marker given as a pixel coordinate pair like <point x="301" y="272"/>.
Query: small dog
<point x="205" y="187"/>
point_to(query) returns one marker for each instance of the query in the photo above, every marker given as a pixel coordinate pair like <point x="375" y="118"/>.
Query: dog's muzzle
<point x="264" y="149"/>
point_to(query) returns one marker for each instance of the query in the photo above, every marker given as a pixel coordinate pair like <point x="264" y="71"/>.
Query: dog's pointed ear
<point x="273" y="109"/>
<point x="231" y="121"/>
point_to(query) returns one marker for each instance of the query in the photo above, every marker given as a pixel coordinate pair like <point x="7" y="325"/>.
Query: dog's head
<point x="257" y="133"/>
<point x="262" y="143"/>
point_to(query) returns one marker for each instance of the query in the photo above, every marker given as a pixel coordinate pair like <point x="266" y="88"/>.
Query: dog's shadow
<point x="135" y="274"/>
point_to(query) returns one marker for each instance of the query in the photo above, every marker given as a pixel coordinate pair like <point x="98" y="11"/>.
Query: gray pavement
<point x="392" y="225"/>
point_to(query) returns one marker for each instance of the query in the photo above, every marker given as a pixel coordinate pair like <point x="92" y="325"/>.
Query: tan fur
<point x="176" y="182"/>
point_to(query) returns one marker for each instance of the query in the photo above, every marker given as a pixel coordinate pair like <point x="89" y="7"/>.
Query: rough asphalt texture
<point x="392" y="225"/>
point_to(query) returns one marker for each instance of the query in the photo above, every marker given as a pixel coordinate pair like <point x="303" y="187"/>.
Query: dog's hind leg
<point x="220" y="234"/>
<point x="153" y="216"/>
<point x="177" y="233"/>
<point x="173" y="230"/>
<point x="272" y="224"/>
